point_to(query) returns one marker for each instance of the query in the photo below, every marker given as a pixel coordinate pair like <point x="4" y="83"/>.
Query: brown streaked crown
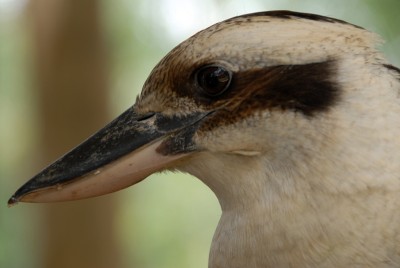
<point x="286" y="14"/>
<point x="279" y="60"/>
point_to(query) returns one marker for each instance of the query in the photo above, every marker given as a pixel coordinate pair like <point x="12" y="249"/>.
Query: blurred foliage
<point x="167" y="220"/>
<point x="17" y="135"/>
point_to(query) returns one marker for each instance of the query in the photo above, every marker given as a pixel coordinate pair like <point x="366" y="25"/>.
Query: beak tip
<point x="12" y="201"/>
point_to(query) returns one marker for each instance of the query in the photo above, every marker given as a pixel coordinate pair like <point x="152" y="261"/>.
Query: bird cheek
<point x="229" y="140"/>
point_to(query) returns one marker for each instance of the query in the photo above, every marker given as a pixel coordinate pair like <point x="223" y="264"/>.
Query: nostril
<point x="145" y="116"/>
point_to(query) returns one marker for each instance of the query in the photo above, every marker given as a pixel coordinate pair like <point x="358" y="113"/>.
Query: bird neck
<point x="306" y="209"/>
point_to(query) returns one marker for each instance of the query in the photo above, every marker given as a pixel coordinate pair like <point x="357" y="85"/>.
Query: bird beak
<point x="121" y="154"/>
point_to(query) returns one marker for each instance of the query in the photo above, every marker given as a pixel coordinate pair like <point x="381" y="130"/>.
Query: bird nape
<point x="291" y="119"/>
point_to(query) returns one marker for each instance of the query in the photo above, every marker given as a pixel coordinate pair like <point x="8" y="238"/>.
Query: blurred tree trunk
<point x="71" y="82"/>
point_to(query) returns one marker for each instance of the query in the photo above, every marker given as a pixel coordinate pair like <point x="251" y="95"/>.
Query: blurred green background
<point x="51" y="51"/>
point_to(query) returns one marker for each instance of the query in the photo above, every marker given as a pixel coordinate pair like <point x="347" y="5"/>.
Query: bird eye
<point x="213" y="80"/>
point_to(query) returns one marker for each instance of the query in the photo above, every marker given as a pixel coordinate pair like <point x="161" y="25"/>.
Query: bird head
<point x="256" y="99"/>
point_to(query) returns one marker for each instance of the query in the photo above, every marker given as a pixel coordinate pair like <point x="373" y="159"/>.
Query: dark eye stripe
<point x="307" y="88"/>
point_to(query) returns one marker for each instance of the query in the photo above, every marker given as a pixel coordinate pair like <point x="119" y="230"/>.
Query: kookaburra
<point x="291" y="119"/>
